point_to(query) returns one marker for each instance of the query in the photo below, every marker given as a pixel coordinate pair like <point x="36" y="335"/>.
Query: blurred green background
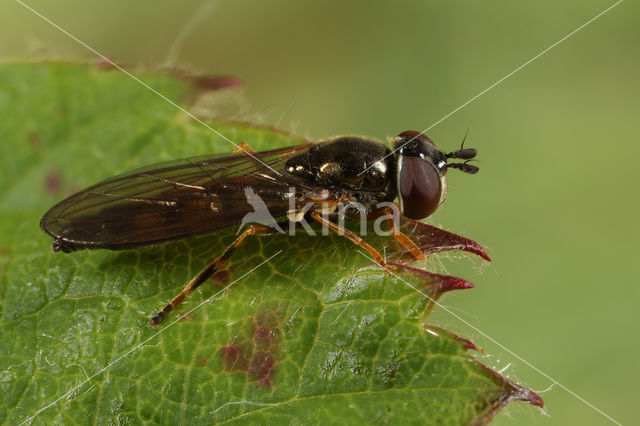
<point x="555" y="201"/>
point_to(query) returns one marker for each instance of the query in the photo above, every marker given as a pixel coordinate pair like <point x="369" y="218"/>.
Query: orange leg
<point x="351" y="236"/>
<point x="207" y="272"/>
<point x="409" y="245"/>
<point x="403" y="239"/>
<point x="242" y="148"/>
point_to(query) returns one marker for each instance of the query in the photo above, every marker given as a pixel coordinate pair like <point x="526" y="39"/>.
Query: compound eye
<point x="420" y="188"/>
<point x="408" y="135"/>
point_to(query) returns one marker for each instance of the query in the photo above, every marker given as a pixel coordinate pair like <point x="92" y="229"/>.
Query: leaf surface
<point x="314" y="335"/>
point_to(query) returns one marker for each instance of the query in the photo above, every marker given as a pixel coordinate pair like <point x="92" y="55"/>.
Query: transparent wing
<point x="173" y="200"/>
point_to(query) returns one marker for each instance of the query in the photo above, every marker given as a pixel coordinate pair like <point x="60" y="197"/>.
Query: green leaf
<point x="315" y="335"/>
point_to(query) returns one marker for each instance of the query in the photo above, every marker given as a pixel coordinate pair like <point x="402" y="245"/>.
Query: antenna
<point x="464" y="167"/>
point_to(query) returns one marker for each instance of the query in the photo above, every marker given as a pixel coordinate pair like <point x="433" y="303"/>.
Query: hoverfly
<point x="200" y="195"/>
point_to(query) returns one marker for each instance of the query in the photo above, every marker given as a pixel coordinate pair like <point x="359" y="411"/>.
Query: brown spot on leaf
<point x="221" y="277"/>
<point x="52" y="182"/>
<point x="264" y="337"/>
<point x="34" y="139"/>
<point x="261" y="368"/>
<point x="256" y="354"/>
<point x="206" y="83"/>
<point x="202" y="362"/>
<point x="234" y="358"/>
<point x="105" y="64"/>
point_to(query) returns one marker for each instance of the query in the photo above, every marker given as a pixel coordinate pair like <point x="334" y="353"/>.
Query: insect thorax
<point x="351" y="163"/>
